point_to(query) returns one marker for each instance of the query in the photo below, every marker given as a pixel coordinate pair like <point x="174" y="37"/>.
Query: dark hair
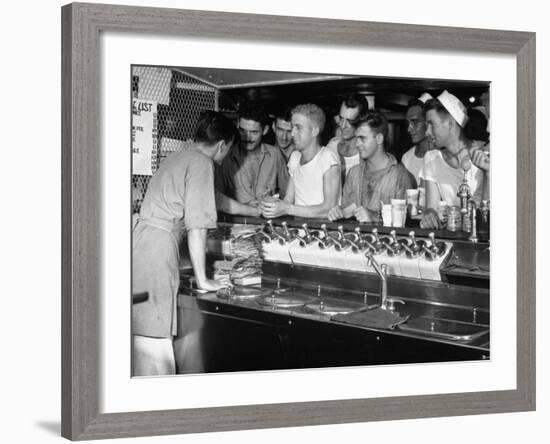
<point x="377" y="122"/>
<point x="415" y="102"/>
<point x="283" y="114"/>
<point x="476" y="127"/>
<point x="435" y="105"/>
<point x="356" y="100"/>
<point x="253" y="110"/>
<point x="213" y="127"/>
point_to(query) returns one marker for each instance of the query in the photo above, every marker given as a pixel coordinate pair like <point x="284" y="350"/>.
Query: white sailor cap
<point x="425" y="97"/>
<point x="454" y="106"/>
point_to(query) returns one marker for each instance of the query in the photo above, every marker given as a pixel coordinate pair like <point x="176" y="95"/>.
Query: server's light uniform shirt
<point x="180" y="197"/>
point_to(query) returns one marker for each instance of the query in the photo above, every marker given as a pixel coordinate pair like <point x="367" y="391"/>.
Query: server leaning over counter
<point x="180" y="199"/>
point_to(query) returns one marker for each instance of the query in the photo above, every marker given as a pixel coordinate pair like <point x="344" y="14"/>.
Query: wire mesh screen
<point x="180" y="99"/>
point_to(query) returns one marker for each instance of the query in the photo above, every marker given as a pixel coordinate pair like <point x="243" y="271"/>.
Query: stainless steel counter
<point x="451" y="324"/>
<point x="310" y="315"/>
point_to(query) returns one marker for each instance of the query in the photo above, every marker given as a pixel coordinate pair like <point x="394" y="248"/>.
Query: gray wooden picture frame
<point x="81" y="174"/>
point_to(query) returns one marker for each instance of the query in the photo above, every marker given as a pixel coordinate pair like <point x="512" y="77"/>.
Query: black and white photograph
<point x="275" y="222"/>
<point x="293" y="220"/>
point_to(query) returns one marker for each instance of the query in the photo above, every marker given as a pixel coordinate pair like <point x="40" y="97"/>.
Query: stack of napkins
<point x="245" y="266"/>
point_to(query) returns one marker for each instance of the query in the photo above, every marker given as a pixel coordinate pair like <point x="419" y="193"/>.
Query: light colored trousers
<point x="158" y="356"/>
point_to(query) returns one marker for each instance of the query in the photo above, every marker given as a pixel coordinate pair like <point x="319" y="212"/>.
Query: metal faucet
<point x="326" y="241"/>
<point x="376" y="237"/>
<point x="289" y="236"/>
<point x="339" y="244"/>
<point x="307" y="234"/>
<point x="435" y="250"/>
<point x="382" y="271"/>
<point x="412" y="241"/>
<point x="341" y="234"/>
<point x="340" y="241"/>
<point x="358" y="245"/>
<point x="308" y="237"/>
<point x="266" y="237"/>
<point x="273" y="233"/>
<point x="377" y="244"/>
<point x="353" y="240"/>
<point x="361" y="242"/>
<point x="394" y="248"/>
<point x="316" y="236"/>
<point x="345" y="241"/>
<point x="386" y="303"/>
<point x="412" y="246"/>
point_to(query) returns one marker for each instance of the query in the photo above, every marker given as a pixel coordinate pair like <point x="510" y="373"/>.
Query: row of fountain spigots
<point x="367" y="243"/>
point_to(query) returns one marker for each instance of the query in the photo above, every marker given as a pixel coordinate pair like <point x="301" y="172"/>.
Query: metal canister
<point x="454" y="218"/>
<point x="467" y="222"/>
<point x="442" y="211"/>
<point x="421" y="199"/>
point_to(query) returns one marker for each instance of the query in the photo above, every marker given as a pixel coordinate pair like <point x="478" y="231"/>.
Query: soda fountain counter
<point x="343" y="294"/>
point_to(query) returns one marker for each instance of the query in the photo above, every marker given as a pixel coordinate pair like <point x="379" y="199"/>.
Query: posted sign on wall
<point x="144" y="137"/>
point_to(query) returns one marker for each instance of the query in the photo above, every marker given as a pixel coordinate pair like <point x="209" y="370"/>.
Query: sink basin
<point x="242" y="292"/>
<point x="285" y="298"/>
<point x="449" y="330"/>
<point x="333" y="307"/>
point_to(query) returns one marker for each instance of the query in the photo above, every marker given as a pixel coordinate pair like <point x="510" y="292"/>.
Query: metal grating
<point x="181" y="99"/>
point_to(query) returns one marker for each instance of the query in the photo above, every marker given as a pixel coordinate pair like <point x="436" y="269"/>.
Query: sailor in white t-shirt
<point x="457" y="158"/>
<point x="413" y="159"/>
<point x="447" y="179"/>
<point x="314" y="186"/>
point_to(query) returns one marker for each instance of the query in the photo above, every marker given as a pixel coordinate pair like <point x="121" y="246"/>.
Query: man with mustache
<point x="254" y="169"/>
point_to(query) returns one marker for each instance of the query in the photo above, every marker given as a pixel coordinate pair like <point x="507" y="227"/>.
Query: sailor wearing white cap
<point x="454" y="107"/>
<point x="445" y="168"/>
<point x="425" y="97"/>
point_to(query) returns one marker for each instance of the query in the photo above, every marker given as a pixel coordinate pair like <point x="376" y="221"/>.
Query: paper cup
<point x="387" y="215"/>
<point x="399" y="212"/>
<point x="398" y="202"/>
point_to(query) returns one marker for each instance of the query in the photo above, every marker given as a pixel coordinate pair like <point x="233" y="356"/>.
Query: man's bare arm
<point x="231" y="206"/>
